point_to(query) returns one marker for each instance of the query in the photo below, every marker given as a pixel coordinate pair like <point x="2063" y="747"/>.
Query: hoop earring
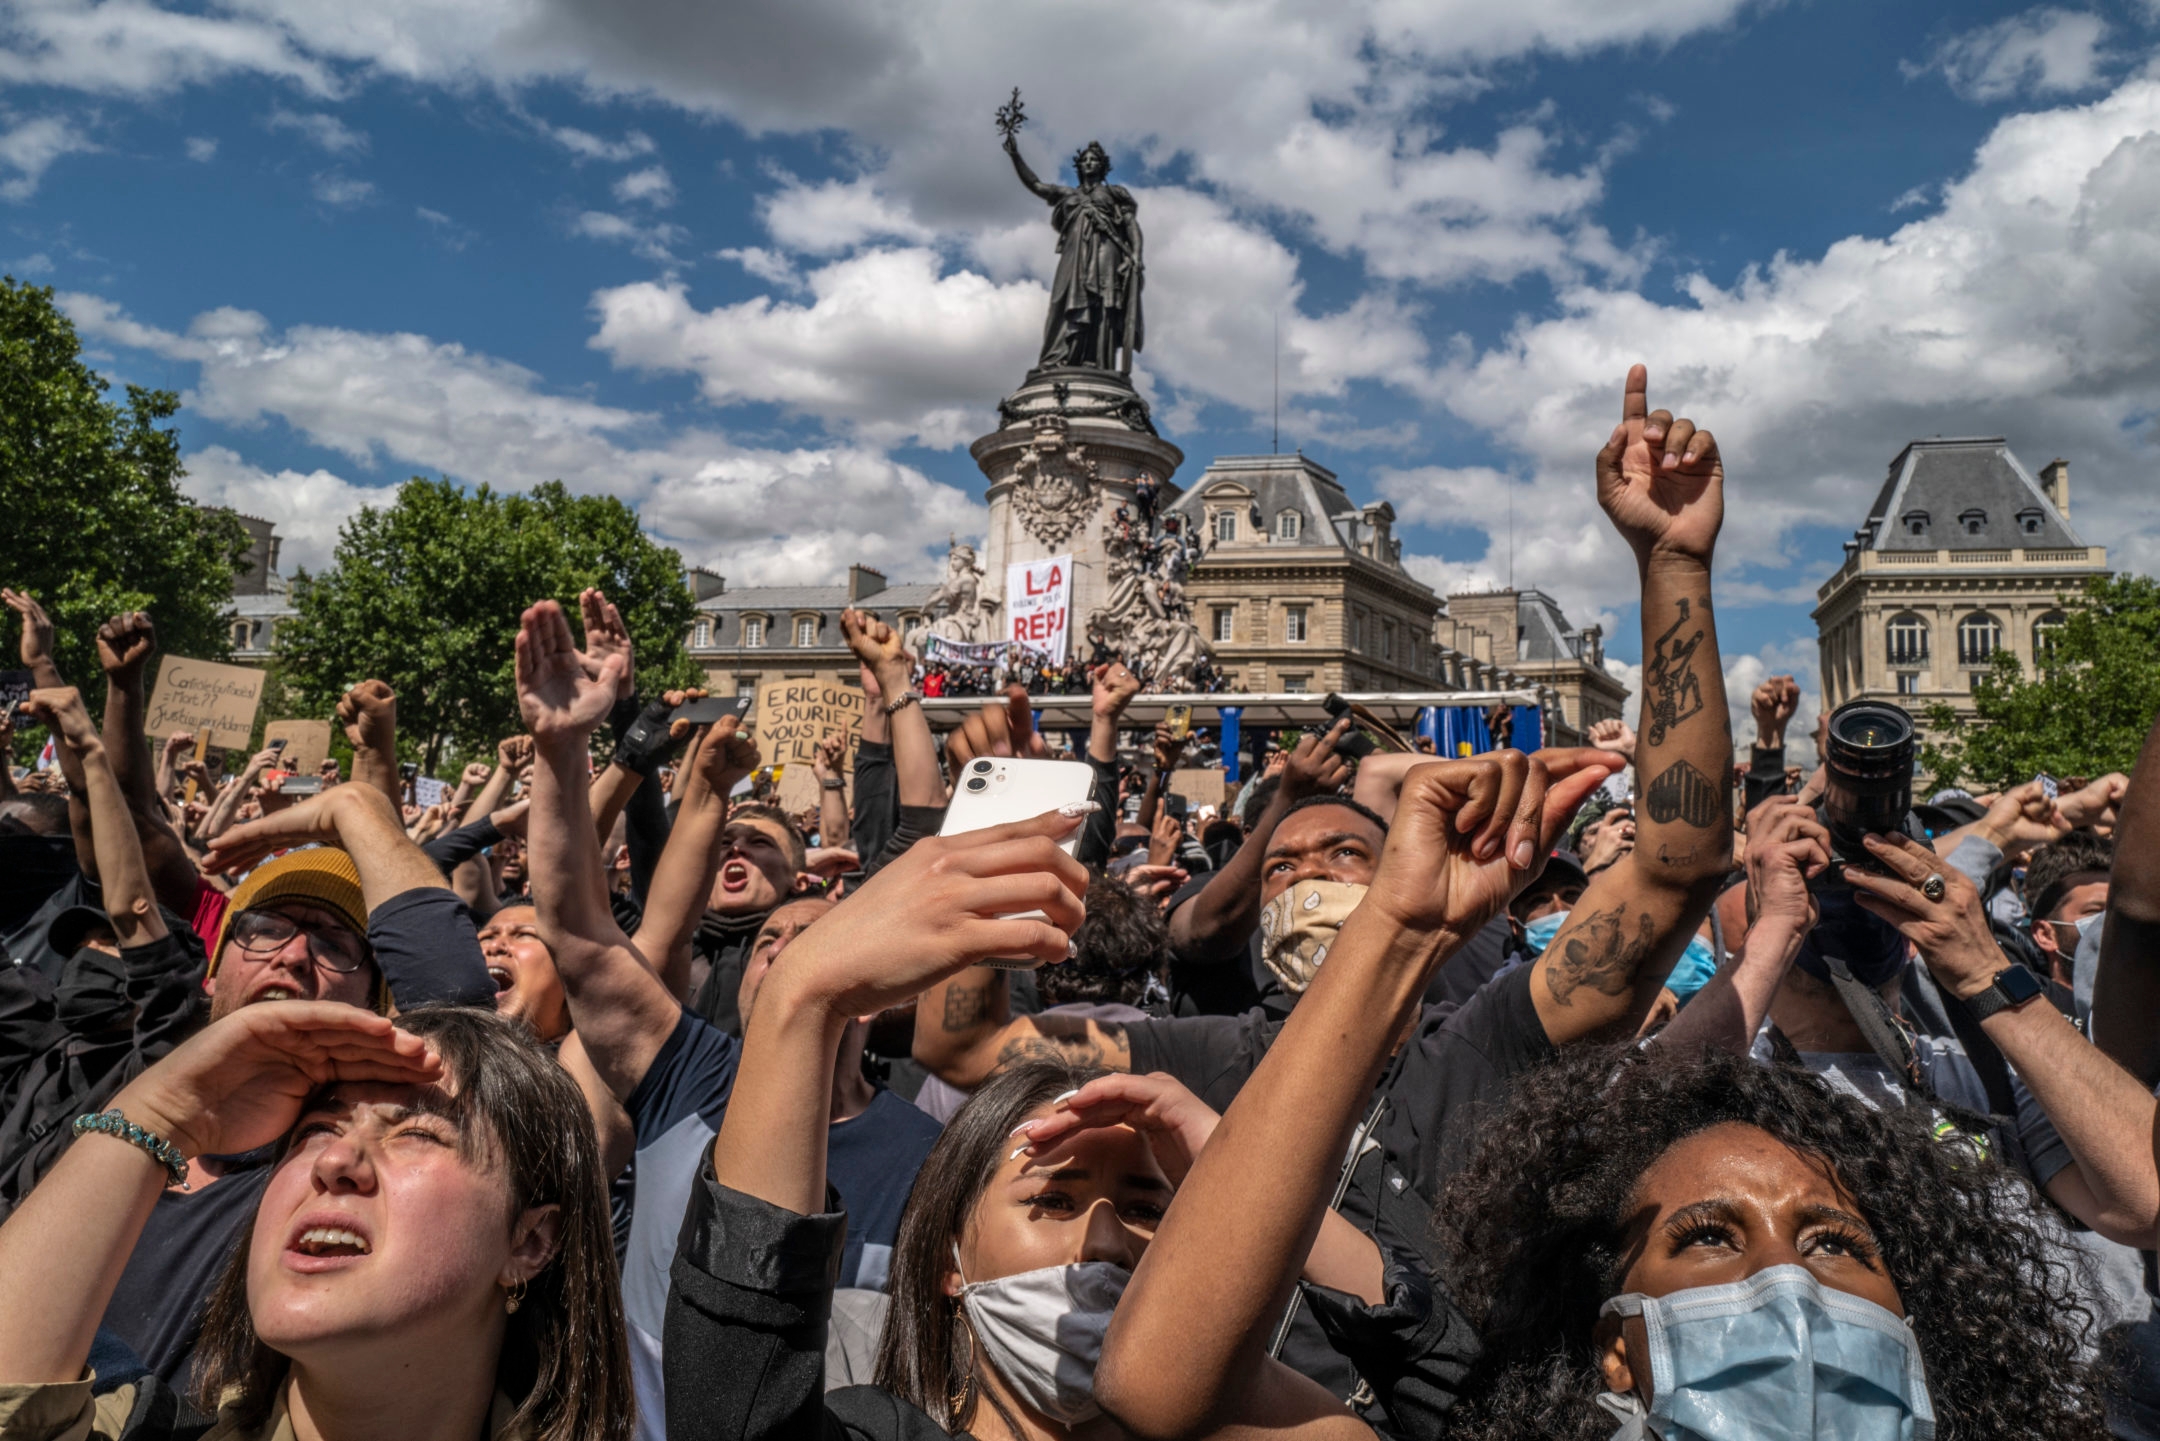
<point x="960" y="1399"/>
<point x="514" y="1298"/>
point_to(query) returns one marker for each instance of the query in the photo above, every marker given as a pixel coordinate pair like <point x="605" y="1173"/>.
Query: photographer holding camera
<point x="1840" y="895"/>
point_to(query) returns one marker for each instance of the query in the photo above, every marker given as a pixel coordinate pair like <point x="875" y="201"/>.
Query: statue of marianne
<point x="1094" y="315"/>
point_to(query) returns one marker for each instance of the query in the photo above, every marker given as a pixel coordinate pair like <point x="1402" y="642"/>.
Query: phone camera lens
<point x="983" y="768"/>
<point x="977" y="783"/>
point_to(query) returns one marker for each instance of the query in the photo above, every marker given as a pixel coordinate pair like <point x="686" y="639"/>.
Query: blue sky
<point x="762" y="270"/>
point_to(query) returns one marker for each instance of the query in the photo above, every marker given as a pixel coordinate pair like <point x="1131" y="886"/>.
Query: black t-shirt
<point x="1457" y="1068"/>
<point x="871" y="1160"/>
<point x="157" y="1307"/>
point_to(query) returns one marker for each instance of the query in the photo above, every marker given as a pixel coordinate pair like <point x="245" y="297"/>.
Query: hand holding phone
<point x="995" y="790"/>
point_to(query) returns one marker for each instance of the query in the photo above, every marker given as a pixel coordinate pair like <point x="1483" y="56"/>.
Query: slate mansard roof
<point x="1937" y="484"/>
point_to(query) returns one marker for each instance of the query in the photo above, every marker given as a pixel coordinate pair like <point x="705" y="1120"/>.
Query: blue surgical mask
<point x="1693" y="971"/>
<point x="1538" y="934"/>
<point x="1777" y="1357"/>
<point x="2085" y="964"/>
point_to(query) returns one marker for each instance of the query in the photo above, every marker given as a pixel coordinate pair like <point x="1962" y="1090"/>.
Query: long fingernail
<point x="1022" y="1151"/>
<point x="1073" y="809"/>
<point x="1019" y="1130"/>
<point x="1057" y="1101"/>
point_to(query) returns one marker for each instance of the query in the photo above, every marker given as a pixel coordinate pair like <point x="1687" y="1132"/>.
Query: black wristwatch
<point x="2012" y="987"/>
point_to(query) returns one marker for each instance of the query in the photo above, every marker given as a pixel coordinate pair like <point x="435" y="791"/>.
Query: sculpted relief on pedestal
<point x="1054" y="484"/>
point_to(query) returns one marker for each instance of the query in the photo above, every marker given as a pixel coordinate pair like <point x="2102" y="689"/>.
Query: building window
<point x="1225" y="525"/>
<point x="240" y="635"/>
<point x="1979" y="637"/>
<point x="2046" y="631"/>
<point x="2029" y="520"/>
<point x="1908" y="639"/>
<point x="1908" y="682"/>
<point x="1225" y="623"/>
<point x="806" y="630"/>
<point x="701" y="635"/>
<point x="1293" y="623"/>
<point x="1387" y="640"/>
<point x="1296" y="684"/>
<point x="1287" y="525"/>
<point x="1916" y="522"/>
<point x="753" y="631"/>
<point x="746" y="687"/>
<point x="1974" y="521"/>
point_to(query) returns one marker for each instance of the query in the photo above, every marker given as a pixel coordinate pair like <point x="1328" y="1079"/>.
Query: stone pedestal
<point x="1072" y="443"/>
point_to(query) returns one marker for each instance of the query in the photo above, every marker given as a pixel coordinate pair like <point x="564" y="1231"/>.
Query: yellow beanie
<point x="324" y="875"/>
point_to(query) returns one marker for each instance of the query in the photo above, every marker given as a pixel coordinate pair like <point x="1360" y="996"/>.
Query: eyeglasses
<point x="332" y="946"/>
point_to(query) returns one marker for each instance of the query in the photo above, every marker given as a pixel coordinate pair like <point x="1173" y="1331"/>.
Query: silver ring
<point x="1933" y="887"/>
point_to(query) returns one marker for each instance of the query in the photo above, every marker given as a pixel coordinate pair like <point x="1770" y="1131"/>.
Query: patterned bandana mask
<point x="1298" y="926"/>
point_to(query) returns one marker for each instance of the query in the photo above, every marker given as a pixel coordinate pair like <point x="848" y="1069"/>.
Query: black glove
<point x="643" y="742"/>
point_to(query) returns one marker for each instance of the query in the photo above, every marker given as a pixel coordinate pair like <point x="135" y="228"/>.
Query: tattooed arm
<point x="1662" y="483"/>
<point x="965" y="1032"/>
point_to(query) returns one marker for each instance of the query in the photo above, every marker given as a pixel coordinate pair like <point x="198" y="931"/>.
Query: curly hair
<point x="1121" y="945"/>
<point x="1534" y="1229"/>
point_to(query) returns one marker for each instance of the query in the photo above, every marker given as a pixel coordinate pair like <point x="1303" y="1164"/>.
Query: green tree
<point x="96" y="523"/>
<point x="2085" y="712"/>
<point x="425" y="594"/>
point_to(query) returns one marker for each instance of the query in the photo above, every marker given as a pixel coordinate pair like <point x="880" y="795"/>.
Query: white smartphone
<point x="996" y="790"/>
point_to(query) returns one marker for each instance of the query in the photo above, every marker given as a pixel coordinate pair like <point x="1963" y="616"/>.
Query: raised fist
<point x="368" y="713"/>
<point x="124" y="643"/>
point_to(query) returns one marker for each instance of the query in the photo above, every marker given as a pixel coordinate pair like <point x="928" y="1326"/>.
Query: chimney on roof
<point x="702" y="583"/>
<point x="862" y="581"/>
<point x="2055" y="480"/>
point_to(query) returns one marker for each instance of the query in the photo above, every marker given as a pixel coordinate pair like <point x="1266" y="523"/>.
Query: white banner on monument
<point x="1038" y="604"/>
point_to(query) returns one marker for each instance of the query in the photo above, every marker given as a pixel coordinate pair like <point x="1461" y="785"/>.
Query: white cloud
<point x="317" y="128"/>
<point x="835" y="215"/>
<point x="655" y="242"/>
<point x="886" y="347"/>
<point x="650" y="186"/>
<point x="769" y="266"/>
<point x="336" y="188"/>
<point x="2018" y="307"/>
<point x="29" y="148"/>
<point x="1321" y="114"/>
<point x="307" y="508"/>
<point x="2048" y="51"/>
<point x="38" y="263"/>
<point x="584" y="145"/>
<point x="404" y="402"/>
<point x="202" y="148"/>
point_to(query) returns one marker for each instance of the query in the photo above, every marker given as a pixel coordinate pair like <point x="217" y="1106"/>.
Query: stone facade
<point x="760" y="633"/>
<point x="1963" y="553"/>
<point x="1526" y="632"/>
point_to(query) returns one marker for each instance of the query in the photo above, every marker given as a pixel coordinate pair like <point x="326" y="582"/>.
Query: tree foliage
<point x="2085" y="712"/>
<point x="425" y="594"/>
<point x="96" y="523"/>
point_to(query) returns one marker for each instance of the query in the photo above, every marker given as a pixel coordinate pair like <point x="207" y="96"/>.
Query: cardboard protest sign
<point x="307" y="743"/>
<point x="792" y="717"/>
<point x="1201" y="787"/>
<point x="1038" y="604"/>
<point x="204" y="697"/>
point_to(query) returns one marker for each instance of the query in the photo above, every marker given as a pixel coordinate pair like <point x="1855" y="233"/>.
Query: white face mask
<point x="1042" y="1332"/>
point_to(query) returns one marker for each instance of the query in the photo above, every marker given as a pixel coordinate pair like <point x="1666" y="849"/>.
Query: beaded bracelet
<point x="164" y="1152"/>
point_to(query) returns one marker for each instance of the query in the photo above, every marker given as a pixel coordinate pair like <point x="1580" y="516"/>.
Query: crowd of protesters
<point x="1572" y="1094"/>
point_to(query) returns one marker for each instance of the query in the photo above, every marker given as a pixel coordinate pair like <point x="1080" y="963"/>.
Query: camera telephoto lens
<point x="983" y="768"/>
<point x="977" y="783"/>
<point x="1867" y="764"/>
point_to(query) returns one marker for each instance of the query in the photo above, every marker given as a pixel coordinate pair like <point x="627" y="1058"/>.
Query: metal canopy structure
<point x="1073" y="712"/>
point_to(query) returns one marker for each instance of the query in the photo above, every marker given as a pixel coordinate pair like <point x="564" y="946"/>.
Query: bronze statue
<point x="1095" y="299"/>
